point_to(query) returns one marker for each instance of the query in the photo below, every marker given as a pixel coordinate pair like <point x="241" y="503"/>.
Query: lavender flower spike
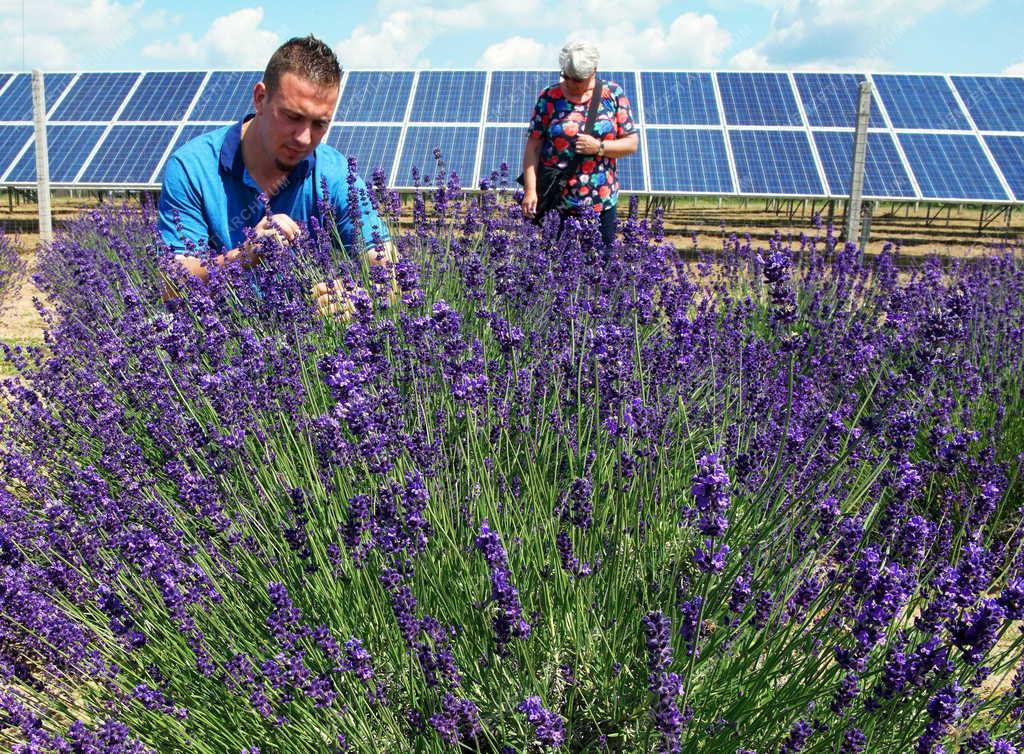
<point x="509" y="622"/>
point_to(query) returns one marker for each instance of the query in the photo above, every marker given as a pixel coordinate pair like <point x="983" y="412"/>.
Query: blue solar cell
<point x="630" y="170"/>
<point x="884" y="174"/>
<point x="163" y="96"/>
<point x="1008" y="152"/>
<point x="920" y="102"/>
<point x="458" y="150"/>
<point x="4" y="78"/>
<point x="68" y="148"/>
<point x="449" y="97"/>
<point x="775" y="162"/>
<point x="188" y="132"/>
<point x="226" y="97"/>
<point x="625" y="79"/>
<point x="830" y="99"/>
<point x="679" y="99"/>
<point x="758" y="99"/>
<point x="688" y="160"/>
<point x="375" y="96"/>
<point x="16" y="101"/>
<point x="372" y="146"/>
<point x="514" y="94"/>
<point x="95" y="97"/>
<point x="12" y="139"/>
<point x="129" y="154"/>
<point x="951" y="166"/>
<point x="996" y="103"/>
<point x="503" y="144"/>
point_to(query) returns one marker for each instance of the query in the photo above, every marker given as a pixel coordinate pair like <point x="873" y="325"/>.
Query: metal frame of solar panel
<point x="932" y="137"/>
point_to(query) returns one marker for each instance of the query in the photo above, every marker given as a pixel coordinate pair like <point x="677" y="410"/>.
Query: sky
<point x="924" y="36"/>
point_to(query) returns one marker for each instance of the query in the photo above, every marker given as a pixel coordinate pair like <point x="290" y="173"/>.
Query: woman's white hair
<point x="578" y="59"/>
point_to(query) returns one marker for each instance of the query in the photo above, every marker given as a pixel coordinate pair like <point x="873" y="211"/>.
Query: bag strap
<point x="595" y="103"/>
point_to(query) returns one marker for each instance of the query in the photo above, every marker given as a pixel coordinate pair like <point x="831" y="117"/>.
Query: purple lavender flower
<point x="509" y="622"/>
<point x="663" y="684"/>
<point x="548" y="726"/>
<point x="797" y="738"/>
<point x="458" y="720"/>
<point x="711" y="495"/>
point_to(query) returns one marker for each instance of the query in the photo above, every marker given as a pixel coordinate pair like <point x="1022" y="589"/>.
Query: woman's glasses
<point x="575" y="80"/>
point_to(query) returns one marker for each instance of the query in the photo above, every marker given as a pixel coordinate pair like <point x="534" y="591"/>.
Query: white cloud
<point x="232" y="41"/>
<point x="68" y="34"/>
<point x="402" y="32"/>
<point x="518" y="52"/>
<point x="1017" y="69"/>
<point x="838" y="34"/>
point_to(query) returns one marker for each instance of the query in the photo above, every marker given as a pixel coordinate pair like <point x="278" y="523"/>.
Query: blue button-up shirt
<point x="209" y="197"/>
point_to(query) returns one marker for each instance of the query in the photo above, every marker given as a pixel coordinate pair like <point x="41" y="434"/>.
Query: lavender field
<point x="529" y="496"/>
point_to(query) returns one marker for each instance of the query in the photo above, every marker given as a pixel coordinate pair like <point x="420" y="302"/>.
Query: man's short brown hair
<point x="306" y="57"/>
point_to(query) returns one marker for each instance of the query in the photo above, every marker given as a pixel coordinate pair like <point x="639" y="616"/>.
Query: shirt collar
<point x="231" y="155"/>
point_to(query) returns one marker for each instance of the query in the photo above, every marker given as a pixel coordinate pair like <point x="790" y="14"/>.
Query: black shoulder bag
<point x="551" y="181"/>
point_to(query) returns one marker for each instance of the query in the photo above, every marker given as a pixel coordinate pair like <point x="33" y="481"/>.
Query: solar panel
<point x="951" y="166"/>
<point x="4" y="78"/>
<point x="775" y="162"/>
<point x="129" y="154"/>
<point x="163" y="96"/>
<point x="830" y="99"/>
<point x="449" y="97"/>
<point x="630" y="170"/>
<point x="69" y="147"/>
<point x="920" y="102"/>
<point x="227" y="96"/>
<point x="688" y="160"/>
<point x="372" y="146"/>
<point x="12" y="139"/>
<point x="458" y="150"/>
<point x="679" y="98"/>
<point x="503" y="144"/>
<point x="1008" y="152"/>
<point x="884" y="174"/>
<point x="95" y="97"/>
<point x="16" y="101"/>
<point x="758" y="99"/>
<point x="188" y="132"/>
<point x="375" y="96"/>
<point x="514" y="94"/>
<point x="996" y="103"/>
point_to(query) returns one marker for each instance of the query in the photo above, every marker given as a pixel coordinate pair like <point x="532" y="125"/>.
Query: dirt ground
<point x="921" y="231"/>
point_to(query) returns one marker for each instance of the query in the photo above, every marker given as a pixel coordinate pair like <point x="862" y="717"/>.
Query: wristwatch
<point x="600" y="150"/>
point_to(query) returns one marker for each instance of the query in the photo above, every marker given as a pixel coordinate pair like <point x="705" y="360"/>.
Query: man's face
<point x="292" y="121"/>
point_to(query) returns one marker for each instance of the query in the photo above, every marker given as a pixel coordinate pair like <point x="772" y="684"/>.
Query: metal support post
<point x="42" y="158"/>
<point x="860" y="153"/>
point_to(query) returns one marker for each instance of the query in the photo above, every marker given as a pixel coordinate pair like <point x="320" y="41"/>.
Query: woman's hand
<point x="530" y="202"/>
<point x="587" y="144"/>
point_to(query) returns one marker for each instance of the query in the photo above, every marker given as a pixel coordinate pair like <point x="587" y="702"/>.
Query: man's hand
<point x="333" y="299"/>
<point x="280" y="225"/>
<point x="530" y="202"/>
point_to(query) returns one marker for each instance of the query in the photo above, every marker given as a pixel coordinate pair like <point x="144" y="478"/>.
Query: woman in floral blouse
<point x="555" y="138"/>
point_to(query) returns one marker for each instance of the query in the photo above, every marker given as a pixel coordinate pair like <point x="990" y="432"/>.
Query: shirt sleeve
<point x="363" y="220"/>
<point x="180" y="211"/>
<point x="624" y="125"/>
<point x="540" y="120"/>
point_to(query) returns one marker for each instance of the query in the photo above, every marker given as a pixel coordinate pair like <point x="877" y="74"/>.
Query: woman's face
<point x="576" y="88"/>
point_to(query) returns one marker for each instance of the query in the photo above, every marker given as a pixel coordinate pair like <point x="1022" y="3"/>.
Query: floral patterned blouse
<point x="557" y="121"/>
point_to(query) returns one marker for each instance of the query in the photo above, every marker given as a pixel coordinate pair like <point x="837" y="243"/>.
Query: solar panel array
<point x="931" y="137"/>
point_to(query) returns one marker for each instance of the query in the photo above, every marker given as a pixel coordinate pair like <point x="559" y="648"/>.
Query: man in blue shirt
<point x="214" y="186"/>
